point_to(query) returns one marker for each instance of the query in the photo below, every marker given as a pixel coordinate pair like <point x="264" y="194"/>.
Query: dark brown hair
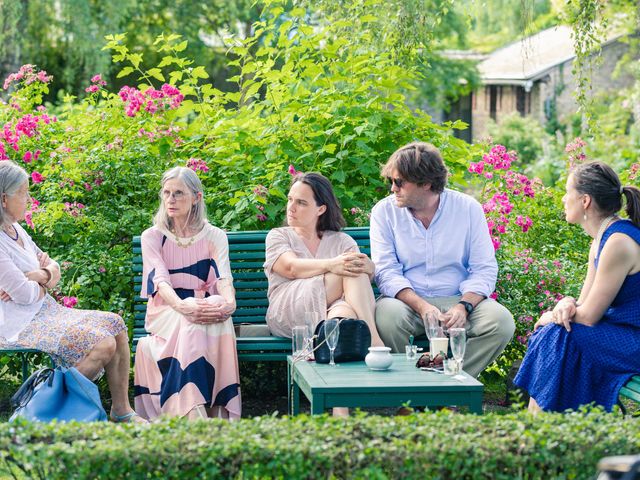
<point x="332" y="218"/>
<point x="420" y="163"/>
<point x="602" y="184"/>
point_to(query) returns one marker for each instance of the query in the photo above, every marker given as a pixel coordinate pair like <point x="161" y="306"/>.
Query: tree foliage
<point x="61" y="37"/>
<point x="313" y="98"/>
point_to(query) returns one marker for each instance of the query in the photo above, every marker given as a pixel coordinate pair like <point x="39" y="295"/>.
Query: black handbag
<point x="353" y="342"/>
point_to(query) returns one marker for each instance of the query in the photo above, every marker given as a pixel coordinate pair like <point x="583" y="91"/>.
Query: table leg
<point x="317" y="404"/>
<point x="475" y="405"/>
<point x="295" y="399"/>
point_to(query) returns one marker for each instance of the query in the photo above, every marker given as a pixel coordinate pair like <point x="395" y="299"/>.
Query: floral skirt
<point x="67" y="334"/>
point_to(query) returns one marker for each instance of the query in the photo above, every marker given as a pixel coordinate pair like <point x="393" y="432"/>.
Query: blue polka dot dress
<point x="563" y="370"/>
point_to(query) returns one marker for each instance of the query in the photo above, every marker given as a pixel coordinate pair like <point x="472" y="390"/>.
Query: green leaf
<point x="339" y="176"/>
<point x="124" y="72"/>
<point x="330" y="148"/>
<point x="252" y="90"/>
<point x="166" y="60"/>
<point x="181" y="46"/>
<point x="135" y="59"/>
<point x="175" y="77"/>
<point x="156" y="73"/>
<point x="200" y="72"/>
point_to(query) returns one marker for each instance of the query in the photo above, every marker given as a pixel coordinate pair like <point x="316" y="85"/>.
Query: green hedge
<point x="443" y="445"/>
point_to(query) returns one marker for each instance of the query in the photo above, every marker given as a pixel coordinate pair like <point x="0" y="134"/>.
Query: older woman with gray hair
<point x="91" y="341"/>
<point x="188" y="365"/>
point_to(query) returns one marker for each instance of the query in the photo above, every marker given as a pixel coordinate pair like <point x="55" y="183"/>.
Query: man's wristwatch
<point x="467" y="306"/>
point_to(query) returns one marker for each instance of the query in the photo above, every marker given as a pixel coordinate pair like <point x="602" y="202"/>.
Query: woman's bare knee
<point x="333" y="287"/>
<point x="104" y="350"/>
<point x="122" y="338"/>
<point x="342" y="310"/>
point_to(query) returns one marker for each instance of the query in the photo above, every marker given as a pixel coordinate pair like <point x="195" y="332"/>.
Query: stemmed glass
<point x="311" y="319"/>
<point x="432" y="325"/>
<point x="331" y="334"/>
<point x="432" y="328"/>
<point x="458" y="339"/>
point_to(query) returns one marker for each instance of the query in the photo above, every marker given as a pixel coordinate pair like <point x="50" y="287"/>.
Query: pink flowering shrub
<point x="575" y="151"/>
<point x="26" y="76"/>
<point x="197" y="165"/>
<point x="150" y="100"/>
<point x="96" y="84"/>
<point x="503" y="190"/>
<point x="69" y="302"/>
<point x="541" y="258"/>
<point x="358" y="217"/>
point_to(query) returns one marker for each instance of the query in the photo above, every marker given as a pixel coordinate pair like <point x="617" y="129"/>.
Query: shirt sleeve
<point x="154" y="269"/>
<point x="13" y="281"/>
<point x="221" y="243"/>
<point x="483" y="267"/>
<point x="389" y="271"/>
<point x="56" y="273"/>
<point x="348" y="244"/>
<point x="276" y="244"/>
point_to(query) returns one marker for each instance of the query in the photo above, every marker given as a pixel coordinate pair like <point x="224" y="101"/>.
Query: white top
<point x="15" y="261"/>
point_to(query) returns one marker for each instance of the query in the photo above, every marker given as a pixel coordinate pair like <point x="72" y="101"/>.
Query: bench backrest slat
<point x="246" y="252"/>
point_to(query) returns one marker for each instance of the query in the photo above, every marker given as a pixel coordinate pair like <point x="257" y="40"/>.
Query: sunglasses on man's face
<point x="398" y="182"/>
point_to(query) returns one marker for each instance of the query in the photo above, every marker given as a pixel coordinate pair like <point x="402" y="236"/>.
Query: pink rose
<point x="69" y="302"/>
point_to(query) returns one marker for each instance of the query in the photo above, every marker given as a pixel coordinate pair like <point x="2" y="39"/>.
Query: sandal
<point x="127" y="418"/>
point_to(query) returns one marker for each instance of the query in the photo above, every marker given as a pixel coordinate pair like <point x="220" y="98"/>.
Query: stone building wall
<point x="558" y="86"/>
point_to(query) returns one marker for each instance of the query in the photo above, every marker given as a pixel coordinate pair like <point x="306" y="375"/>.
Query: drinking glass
<point x="432" y="325"/>
<point x="311" y="320"/>
<point x="458" y="339"/>
<point x="411" y="351"/>
<point x="450" y="366"/>
<point x="433" y="329"/>
<point x="300" y="339"/>
<point x="331" y="333"/>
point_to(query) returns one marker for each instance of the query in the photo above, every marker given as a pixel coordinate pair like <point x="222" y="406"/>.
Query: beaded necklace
<point x="188" y="243"/>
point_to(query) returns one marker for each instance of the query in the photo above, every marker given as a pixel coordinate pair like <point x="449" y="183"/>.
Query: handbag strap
<point x="26" y="390"/>
<point x="304" y="355"/>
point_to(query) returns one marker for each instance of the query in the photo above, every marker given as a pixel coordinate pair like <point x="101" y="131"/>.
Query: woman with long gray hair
<point x="585" y="349"/>
<point x="91" y="341"/>
<point x="188" y="365"/>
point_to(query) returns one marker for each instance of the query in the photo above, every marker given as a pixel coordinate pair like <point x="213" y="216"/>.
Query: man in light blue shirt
<point x="434" y="256"/>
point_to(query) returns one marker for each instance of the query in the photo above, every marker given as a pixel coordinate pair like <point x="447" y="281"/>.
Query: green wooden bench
<point x="24" y="353"/>
<point x="246" y="252"/>
<point x="631" y="390"/>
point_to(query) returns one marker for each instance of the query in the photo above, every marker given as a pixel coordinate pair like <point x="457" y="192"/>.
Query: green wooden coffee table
<point x="354" y="385"/>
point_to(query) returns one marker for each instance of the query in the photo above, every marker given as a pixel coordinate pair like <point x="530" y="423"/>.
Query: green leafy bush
<point x="442" y="445"/>
<point x="307" y="98"/>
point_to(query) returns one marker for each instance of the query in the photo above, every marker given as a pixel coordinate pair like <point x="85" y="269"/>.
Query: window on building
<point x="523" y="101"/>
<point x="495" y="100"/>
<point x="460" y="109"/>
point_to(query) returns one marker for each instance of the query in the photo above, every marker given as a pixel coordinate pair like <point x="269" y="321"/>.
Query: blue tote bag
<point x="61" y="394"/>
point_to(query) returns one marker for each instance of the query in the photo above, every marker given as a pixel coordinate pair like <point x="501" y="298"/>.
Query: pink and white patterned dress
<point x="182" y="365"/>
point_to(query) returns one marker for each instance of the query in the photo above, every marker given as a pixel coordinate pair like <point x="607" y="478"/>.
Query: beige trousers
<point x="490" y="327"/>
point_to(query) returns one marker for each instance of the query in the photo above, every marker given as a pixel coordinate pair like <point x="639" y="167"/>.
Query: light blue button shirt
<point x="453" y="256"/>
